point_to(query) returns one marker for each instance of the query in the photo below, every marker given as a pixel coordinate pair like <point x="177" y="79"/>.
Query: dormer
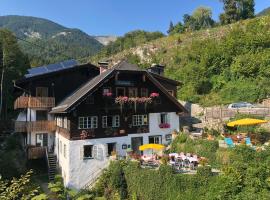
<point x="157" y="69"/>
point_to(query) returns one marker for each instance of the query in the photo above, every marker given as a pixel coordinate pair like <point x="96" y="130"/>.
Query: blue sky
<point x="112" y="17"/>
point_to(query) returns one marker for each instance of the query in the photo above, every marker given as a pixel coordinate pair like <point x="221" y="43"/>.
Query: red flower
<point x="154" y="94"/>
<point x="164" y="125"/>
<point x="107" y="94"/>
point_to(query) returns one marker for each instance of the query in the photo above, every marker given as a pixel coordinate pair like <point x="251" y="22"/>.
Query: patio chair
<point x="229" y="142"/>
<point x="186" y="163"/>
<point x="248" y="142"/>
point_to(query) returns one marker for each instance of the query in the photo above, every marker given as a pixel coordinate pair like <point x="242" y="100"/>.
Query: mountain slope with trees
<point x="53" y="42"/>
<point x="218" y="65"/>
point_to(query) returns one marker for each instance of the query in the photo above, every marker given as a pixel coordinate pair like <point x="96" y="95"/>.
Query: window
<point x="106" y="90"/>
<point x="168" y="137"/>
<point x="144" y="92"/>
<point x="120" y="91"/>
<point x="41" y="115"/>
<point x="87" y="151"/>
<point x="139" y="120"/>
<point x="88" y="122"/>
<point x="155" y="139"/>
<point x="164" y="118"/>
<point x="65" y="122"/>
<point x="61" y="147"/>
<point x="42" y="139"/>
<point x="65" y="150"/>
<point x="132" y="92"/>
<point x="90" y="99"/>
<point x="41" y="91"/>
<point x="171" y="92"/>
<point x="110" y="121"/>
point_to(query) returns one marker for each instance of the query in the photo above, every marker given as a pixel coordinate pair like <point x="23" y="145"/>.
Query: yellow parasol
<point x="246" y="122"/>
<point x="151" y="146"/>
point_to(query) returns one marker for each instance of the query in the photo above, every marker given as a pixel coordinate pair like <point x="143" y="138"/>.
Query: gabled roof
<point x="81" y="93"/>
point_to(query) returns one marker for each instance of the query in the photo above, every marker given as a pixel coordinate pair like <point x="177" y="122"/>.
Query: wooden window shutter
<point x="159" y="118"/>
<point x="95" y="152"/>
<point x="105" y="146"/>
<point x="81" y="153"/>
<point x="100" y="153"/>
<point x="168" y="118"/>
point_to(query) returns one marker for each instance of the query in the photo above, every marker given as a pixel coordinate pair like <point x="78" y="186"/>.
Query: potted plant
<point x="164" y="125"/>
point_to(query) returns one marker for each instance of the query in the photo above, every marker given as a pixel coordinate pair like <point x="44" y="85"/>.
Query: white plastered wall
<point x="77" y="172"/>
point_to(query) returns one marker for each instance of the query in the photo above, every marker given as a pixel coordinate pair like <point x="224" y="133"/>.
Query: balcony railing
<point x="34" y="102"/>
<point x="36" y="152"/>
<point x="47" y="126"/>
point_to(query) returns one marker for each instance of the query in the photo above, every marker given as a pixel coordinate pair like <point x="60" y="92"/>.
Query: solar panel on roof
<point x="51" y="68"/>
<point x="54" y="67"/>
<point x="69" y="63"/>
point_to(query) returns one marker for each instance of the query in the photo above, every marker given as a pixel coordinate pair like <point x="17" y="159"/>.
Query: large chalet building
<point x="79" y="115"/>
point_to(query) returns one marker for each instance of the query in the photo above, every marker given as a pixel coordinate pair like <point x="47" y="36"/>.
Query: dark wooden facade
<point x="106" y="106"/>
<point x="60" y="84"/>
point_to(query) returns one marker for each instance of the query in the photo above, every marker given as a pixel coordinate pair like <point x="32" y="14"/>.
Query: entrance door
<point x="135" y="143"/>
<point x="155" y="139"/>
<point x="42" y="140"/>
<point x="111" y="148"/>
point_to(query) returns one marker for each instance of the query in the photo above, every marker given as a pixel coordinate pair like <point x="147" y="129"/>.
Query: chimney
<point x="157" y="69"/>
<point x="103" y="66"/>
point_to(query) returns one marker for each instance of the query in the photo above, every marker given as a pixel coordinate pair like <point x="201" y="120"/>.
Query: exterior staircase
<point x="51" y="160"/>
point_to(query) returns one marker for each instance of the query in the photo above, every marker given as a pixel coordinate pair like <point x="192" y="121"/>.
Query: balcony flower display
<point x="154" y="95"/>
<point x="107" y="94"/>
<point x="164" y="125"/>
<point x="121" y="101"/>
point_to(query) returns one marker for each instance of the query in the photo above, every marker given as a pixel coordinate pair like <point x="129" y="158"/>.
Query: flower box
<point x="164" y="125"/>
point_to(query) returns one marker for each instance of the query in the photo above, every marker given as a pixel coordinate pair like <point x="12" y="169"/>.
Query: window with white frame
<point x="139" y="120"/>
<point x="87" y="151"/>
<point x="164" y="118"/>
<point x="88" y="122"/>
<point x="65" y="122"/>
<point x="60" y="147"/>
<point x="106" y="90"/>
<point x="110" y="121"/>
<point x="65" y="150"/>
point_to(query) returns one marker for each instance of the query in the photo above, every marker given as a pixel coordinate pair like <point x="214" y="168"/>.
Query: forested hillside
<point x="218" y="65"/>
<point x="53" y="42"/>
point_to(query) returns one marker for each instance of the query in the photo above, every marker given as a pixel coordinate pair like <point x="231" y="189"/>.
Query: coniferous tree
<point x="235" y="10"/>
<point x="171" y="27"/>
<point x="230" y="14"/>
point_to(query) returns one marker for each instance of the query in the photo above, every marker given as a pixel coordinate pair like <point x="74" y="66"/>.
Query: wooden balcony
<point x="36" y="152"/>
<point x="34" y="102"/>
<point x="35" y="126"/>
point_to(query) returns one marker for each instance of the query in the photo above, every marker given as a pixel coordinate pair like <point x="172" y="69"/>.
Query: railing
<point x="222" y="113"/>
<point x="34" y="102"/>
<point x="36" y="152"/>
<point x="22" y="126"/>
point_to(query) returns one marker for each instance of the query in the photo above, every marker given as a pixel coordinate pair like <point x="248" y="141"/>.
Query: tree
<point x="19" y="189"/>
<point x="171" y="27"/>
<point x="230" y="14"/>
<point x="203" y="17"/>
<point x="246" y="8"/>
<point x="235" y="10"/>
<point x="13" y="65"/>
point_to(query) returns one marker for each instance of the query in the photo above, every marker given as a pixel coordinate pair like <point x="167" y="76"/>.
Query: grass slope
<point x="218" y="65"/>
